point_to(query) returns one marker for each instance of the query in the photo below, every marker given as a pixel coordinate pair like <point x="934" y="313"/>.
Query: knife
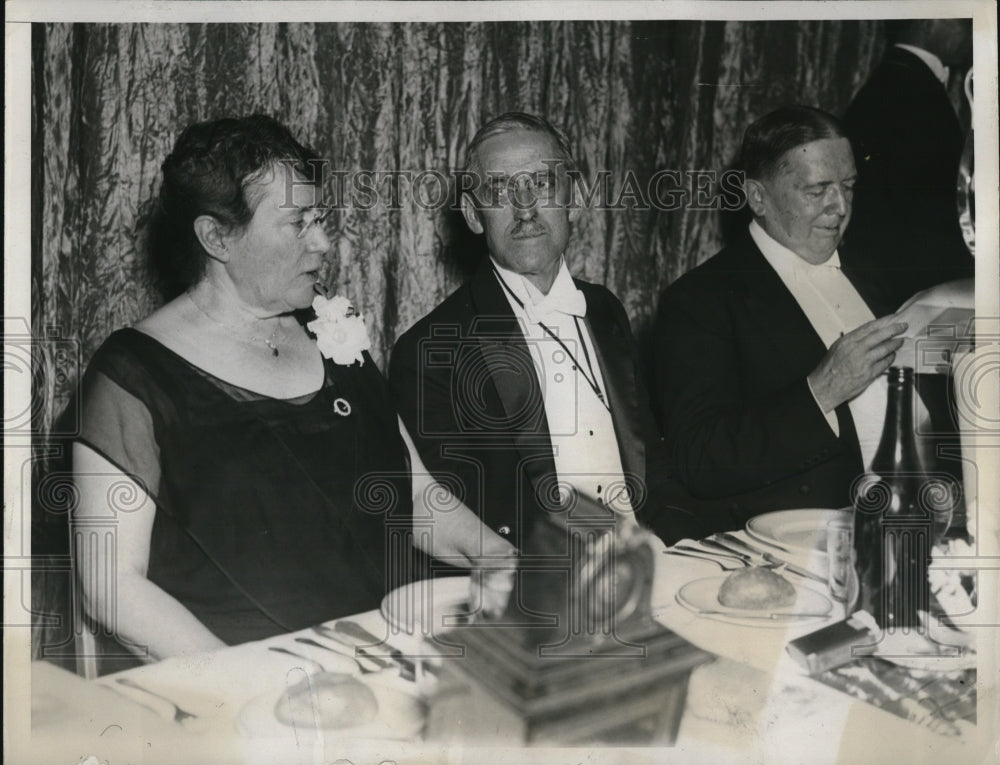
<point x="772" y="558"/>
<point x="773" y="617"/>
<point x="360" y="635"/>
<point x="735" y="540"/>
<point x="803" y="572"/>
<point x="728" y="550"/>
<point x="711" y="553"/>
<point x="352" y="645"/>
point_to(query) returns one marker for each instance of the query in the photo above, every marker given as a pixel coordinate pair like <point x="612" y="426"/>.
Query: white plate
<point x="798" y="531"/>
<point x="400" y="716"/>
<point x="702" y="595"/>
<point x="429" y="606"/>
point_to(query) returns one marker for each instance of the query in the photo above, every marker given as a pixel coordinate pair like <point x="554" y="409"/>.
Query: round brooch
<point x="341" y="407"/>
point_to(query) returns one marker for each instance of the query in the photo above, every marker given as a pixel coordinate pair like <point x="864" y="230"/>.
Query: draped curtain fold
<point x="635" y="98"/>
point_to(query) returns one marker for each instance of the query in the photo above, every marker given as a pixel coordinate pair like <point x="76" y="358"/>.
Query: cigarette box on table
<point x="836" y="644"/>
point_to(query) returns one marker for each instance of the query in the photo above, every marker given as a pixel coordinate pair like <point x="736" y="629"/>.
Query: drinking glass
<point x="841" y="578"/>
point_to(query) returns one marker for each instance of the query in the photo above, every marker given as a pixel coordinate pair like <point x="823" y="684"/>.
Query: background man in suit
<point x="524" y="379"/>
<point x="908" y="143"/>
<point x="768" y="356"/>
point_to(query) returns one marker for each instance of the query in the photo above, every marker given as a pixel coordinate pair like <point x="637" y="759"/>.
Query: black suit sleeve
<point x="422" y="392"/>
<point x="667" y="509"/>
<point x="726" y="432"/>
<point x="456" y="420"/>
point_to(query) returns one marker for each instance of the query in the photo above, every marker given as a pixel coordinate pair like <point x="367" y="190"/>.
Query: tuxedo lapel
<point x="611" y="346"/>
<point x="770" y="305"/>
<point x="512" y="372"/>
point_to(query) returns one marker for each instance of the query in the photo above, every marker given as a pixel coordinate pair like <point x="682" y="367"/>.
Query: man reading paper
<point x="768" y="356"/>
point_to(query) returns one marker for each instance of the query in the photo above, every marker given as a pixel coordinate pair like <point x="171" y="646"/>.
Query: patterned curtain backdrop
<point x="635" y="98"/>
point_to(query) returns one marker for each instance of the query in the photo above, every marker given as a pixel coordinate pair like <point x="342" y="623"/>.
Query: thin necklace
<point x="592" y="377"/>
<point x="270" y="341"/>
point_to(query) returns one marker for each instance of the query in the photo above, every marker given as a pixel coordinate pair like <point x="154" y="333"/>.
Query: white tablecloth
<point x="751" y="705"/>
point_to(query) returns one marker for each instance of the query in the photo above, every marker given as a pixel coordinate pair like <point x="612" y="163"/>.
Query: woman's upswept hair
<point x="207" y="173"/>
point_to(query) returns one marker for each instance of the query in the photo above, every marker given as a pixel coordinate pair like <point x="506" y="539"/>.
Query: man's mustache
<point x="527" y="228"/>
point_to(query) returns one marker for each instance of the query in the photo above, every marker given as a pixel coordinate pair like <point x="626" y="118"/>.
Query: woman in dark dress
<point x="254" y="486"/>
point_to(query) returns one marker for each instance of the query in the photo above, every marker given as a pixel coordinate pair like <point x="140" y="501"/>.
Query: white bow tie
<point x="570" y="302"/>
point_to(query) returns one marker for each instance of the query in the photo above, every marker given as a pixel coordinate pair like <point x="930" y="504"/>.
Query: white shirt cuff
<point x="831" y="416"/>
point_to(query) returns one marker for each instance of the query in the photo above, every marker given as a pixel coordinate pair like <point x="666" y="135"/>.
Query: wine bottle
<point x="893" y="523"/>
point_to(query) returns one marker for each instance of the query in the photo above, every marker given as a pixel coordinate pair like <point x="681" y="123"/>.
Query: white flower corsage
<point x="340" y="330"/>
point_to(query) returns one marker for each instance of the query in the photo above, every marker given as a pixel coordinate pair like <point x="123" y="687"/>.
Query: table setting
<point x="380" y="682"/>
<point x="847" y="626"/>
<point x="929" y="681"/>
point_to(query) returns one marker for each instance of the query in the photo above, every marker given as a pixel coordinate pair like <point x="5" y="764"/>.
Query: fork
<point x="705" y="555"/>
<point x="724" y="549"/>
<point x="279" y="649"/>
<point x="359" y="645"/>
<point x="362" y="637"/>
<point x="180" y="715"/>
<point x="727" y="540"/>
<point x="365" y="668"/>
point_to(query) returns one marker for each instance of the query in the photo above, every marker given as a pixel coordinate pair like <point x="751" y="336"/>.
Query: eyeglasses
<point x="522" y="189"/>
<point x="309" y="222"/>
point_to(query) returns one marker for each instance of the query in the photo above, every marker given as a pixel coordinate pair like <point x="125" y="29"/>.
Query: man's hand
<point x="855" y="360"/>
<point x="493" y="576"/>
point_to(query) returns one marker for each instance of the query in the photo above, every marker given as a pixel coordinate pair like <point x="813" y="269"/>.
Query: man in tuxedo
<point x="908" y="142"/>
<point x="525" y="382"/>
<point x="768" y="355"/>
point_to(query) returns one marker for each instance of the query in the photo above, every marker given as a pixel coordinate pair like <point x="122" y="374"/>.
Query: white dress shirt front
<point x="833" y="307"/>
<point x="584" y="444"/>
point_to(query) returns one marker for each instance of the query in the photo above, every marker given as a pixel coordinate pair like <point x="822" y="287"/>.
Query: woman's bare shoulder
<point x="171" y="324"/>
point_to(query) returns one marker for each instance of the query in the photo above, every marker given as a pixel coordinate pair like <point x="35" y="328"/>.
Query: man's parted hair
<point x="766" y="140"/>
<point x="511" y="121"/>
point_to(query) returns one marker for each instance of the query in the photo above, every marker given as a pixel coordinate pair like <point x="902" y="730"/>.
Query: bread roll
<point x="327" y="700"/>
<point x="755" y="589"/>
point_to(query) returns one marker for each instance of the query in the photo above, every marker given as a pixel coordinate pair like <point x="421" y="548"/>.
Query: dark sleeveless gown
<point x="271" y="514"/>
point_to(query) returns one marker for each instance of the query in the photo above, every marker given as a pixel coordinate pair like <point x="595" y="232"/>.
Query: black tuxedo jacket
<point x="908" y="142"/>
<point x="732" y="353"/>
<point x="466" y="387"/>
